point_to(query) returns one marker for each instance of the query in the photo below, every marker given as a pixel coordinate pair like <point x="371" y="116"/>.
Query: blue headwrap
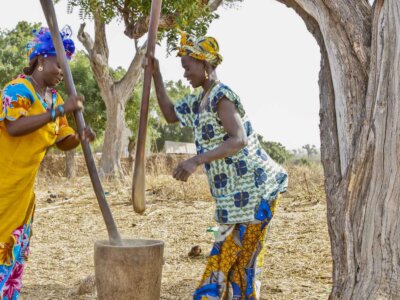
<point x="43" y="45"/>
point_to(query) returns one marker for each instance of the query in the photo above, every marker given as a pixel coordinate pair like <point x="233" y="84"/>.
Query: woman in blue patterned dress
<point x="244" y="181"/>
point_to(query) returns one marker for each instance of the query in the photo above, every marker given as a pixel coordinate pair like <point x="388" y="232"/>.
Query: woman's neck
<point x="208" y="84"/>
<point x="212" y="78"/>
<point x="38" y="83"/>
<point x="38" y="79"/>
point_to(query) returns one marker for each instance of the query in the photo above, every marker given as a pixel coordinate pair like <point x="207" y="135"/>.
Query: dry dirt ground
<point x="68" y="222"/>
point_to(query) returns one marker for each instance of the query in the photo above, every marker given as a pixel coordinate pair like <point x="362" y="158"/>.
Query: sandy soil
<point x="68" y="222"/>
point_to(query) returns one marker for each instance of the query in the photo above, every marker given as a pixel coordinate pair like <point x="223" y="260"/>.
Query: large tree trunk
<point x="360" y="142"/>
<point x="115" y="95"/>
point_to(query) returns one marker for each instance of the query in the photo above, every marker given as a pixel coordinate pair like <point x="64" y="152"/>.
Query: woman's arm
<point x="233" y="126"/>
<point x="68" y="143"/>
<point x="72" y="141"/>
<point x="28" y="124"/>
<point x="237" y="140"/>
<point x="166" y="106"/>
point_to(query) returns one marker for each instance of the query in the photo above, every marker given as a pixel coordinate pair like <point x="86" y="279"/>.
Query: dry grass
<point x="297" y="264"/>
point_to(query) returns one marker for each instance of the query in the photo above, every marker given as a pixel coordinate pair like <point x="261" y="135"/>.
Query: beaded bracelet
<point x="53" y="115"/>
<point x="61" y="110"/>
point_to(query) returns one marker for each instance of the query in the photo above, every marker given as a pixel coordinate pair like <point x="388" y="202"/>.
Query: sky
<point x="270" y="60"/>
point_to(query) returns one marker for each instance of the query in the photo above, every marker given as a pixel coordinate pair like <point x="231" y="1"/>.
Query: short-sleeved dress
<point x="20" y="158"/>
<point x="241" y="184"/>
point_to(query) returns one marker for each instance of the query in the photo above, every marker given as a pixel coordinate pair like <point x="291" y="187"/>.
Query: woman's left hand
<point x="88" y="135"/>
<point x="185" y="169"/>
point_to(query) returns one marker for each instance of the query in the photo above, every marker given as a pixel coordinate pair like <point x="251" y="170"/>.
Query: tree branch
<point x="355" y="17"/>
<point x="349" y="69"/>
<point x="100" y="38"/>
<point x="138" y="29"/>
<point x="328" y="122"/>
<point x="131" y="76"/>
<point x="136" y="45"/>
<point x="85" y="39"/>
<point x="214" y="4"/>
<point x="98" y="57"/>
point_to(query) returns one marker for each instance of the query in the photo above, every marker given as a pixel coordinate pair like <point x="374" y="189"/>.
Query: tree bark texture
<point x="115" y="94"/>
<point x="70" y="170"/>
<point x="360" y="140"/>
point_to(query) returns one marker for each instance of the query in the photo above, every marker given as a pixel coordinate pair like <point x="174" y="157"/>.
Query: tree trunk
<point x="110" y="165"/>
<point x="131" y="152"/>
<point x="115" y="94"/>
<point x="70" y="171"/>
<point x="360" y="140"/>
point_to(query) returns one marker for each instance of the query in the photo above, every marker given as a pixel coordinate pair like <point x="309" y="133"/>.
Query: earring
<point x="206" y="75"/>
<point x="40" y="68"/>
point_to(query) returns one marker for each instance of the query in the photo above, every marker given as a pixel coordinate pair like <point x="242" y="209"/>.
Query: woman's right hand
<point x="74" y="103"/>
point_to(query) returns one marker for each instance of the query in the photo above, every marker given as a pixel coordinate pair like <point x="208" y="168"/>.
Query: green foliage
<point x="276" y="150"/>
<point x="13" y="50"/>
<point x="118" y="73"/>
<point x="85" y="84"/>
<point x="192" y="16"/>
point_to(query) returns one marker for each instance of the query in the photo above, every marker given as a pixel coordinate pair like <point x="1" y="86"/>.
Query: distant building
<point x="179" y="148"/>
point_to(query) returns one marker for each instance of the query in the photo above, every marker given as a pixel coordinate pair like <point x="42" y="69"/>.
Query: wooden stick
<point x="138" y="184"/>
<point x="50" y="14"/>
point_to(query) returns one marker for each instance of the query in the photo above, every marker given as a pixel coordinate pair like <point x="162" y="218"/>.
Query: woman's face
<point x="194" y="71"/>
<point x="52" y="74"/>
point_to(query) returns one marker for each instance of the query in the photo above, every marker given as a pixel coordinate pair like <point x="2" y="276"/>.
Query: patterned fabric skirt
<point x="11" y="270"/>
<point x="236" y="260"/>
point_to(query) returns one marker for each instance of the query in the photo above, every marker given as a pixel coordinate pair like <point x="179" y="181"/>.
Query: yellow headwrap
<point x="204" y="48"/>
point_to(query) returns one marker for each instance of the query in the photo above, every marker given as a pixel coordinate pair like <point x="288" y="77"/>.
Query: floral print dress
<point x="20" y="158"/>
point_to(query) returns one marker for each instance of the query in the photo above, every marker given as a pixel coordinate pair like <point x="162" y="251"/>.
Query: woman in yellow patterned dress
<point x="32" y="119"/>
